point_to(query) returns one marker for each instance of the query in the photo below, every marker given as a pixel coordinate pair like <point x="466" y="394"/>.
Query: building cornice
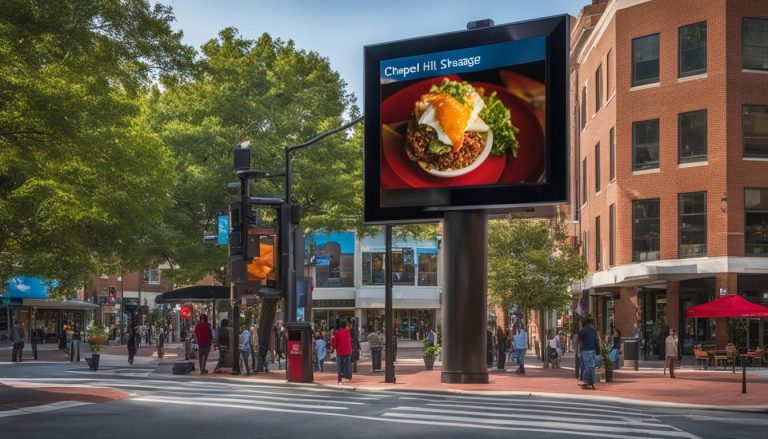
<point x="602" y="25"/>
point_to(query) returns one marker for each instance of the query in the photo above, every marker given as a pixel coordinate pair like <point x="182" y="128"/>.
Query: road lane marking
<point x="42" y="408"/>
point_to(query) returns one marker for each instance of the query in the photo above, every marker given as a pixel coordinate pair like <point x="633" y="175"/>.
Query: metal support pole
<point x="122" y="307"/>
<point x="287" y="277"/>
<point x="389" y="318"/>
<point x="743" y="374"/>
<point x="235" y="292"/>
<point x="465" y="311"/>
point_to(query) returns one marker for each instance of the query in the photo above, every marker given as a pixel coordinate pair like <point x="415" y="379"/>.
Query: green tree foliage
<point x="81" y="173"/>
<point x="280" y="96"/>
<point x="531" y="263"/>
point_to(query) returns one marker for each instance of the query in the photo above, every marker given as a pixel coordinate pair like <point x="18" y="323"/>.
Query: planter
<point x="93" y="362"/>
<point x="429" y="362"/>
<point x="608" y="375"/>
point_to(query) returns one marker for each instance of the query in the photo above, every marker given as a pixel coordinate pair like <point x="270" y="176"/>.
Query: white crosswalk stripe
<point x="569" y="418"/>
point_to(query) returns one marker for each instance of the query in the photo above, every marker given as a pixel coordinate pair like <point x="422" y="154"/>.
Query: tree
<point x="280" y="96"/>
<point x="80" y="170"/>
<point x="531" y="264"/>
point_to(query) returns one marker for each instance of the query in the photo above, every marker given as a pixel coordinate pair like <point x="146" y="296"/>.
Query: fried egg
<point x="450" y="118"/>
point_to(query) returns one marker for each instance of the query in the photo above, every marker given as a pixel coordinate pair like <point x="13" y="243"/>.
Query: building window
<point x="152" y="275"/>
<point x="597" y="167"/>
<point x="756" y="222"/>
<point x="583" y="107"/>
<point x="598" y="256"/>
<point x="692" y="45"/>
<point x="755" y="130"/>
<point x="755" y="36"/>
<point x="692" y="223"/>
<point x="427" y="268"/>
<point x="584" y="180"/>
<point x="645" y="230"/>
<point x="598" y="88"/>
<point x="403" y="267"/>
<point x="612" y="147"/>
<point x="692" y="137"/>
<point x="645" y="60"/>
<point x="608" y="73"/>
<point x="611" y="236"/>
<point x="645" y="145"/>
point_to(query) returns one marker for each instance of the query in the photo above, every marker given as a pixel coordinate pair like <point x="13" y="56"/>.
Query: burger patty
<point x="418" y="137"/>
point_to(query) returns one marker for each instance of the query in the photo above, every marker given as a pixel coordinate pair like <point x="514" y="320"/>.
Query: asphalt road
<point x="188" y="407"/>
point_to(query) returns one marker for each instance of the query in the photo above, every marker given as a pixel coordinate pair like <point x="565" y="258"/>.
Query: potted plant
<point x="97" y="337"/>
<point x="607" y="363"/>
<point x="430" y="351"/>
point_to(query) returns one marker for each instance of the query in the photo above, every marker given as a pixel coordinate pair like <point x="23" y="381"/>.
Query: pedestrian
<point x="430" y="336"/>
<point x="204" y="340"/>
<point x="670" y="349"/>
<point x="222" y="340"/>
<point x="320" y="351"/>
<point x="131" y="345"/>
<point x="615" y="348"/>
<point x="554" y="349"/>
<point x="253" y="341"/>
<point x="342" y="343"/>
<point x="590" y="349"/>
<point x="17" y="338"/>
<point x="520" y="341"/>
<point x="245" y="348"/>
<point x="394" y="345"/>
<point x="373" y="342"/>
<point x="501" y="347"/>
<point x="489" y="347"/>
<point x="35" y="339"/>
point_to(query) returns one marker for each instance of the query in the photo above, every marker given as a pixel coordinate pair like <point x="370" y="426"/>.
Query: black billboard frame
<point x="495" y="199"/>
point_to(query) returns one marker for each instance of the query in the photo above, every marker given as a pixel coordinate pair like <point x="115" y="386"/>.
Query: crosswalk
<point x="523" y="414"/>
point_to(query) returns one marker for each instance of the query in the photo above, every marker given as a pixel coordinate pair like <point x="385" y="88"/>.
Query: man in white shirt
<point x="670" y="345"/>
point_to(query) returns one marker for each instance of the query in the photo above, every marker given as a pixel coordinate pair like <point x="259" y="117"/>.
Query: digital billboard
<point x="468" y="120"/>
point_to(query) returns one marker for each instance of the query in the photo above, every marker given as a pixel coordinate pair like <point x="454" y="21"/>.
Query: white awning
<point x="58" y="304"/>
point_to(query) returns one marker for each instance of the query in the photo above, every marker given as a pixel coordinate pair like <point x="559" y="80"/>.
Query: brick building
<point x="138" y="288"/>
<point x="670" y="160"/>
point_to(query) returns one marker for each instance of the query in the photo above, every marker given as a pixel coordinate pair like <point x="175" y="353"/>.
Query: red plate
<point x="399" y="172"/>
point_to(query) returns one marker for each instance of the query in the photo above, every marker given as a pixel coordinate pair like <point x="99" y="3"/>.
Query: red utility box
<point x="299" y="346"/>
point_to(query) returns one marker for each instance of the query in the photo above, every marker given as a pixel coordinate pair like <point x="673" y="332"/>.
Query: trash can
<point x="299" y="347"/>
<point x="375" y="358"/>
<point x="632" y="353"/>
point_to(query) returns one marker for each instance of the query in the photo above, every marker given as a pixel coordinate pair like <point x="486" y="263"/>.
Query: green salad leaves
<point x="495" y="114"/>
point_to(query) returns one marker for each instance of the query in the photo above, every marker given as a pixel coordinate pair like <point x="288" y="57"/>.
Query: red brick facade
<point x="602" y="39"/>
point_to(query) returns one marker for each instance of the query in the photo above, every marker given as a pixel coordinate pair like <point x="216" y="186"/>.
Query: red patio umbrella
<point x="731" y="305"/>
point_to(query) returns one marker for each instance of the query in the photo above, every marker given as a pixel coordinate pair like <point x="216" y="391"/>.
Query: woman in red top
<point x="204" y="339"/>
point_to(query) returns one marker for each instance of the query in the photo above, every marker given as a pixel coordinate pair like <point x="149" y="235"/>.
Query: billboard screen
<point x="468" y="120"/>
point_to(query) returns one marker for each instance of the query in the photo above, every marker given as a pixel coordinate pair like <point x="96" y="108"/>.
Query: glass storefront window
<point x="756" y="222"/>
<point x="427" y="267"/>
<point x="403" y="267"/>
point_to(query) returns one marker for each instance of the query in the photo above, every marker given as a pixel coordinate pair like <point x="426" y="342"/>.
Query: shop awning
<point x="58" y="304"/>
<point x="732" y="305"/>
<point x="198" y="293"/>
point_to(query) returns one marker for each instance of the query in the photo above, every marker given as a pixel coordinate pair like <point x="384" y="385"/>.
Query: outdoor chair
<point x="701" y="357"/>
<point x="757" y="356"/>
<point x="720" y="358"/>
<point x="732" y="353"/>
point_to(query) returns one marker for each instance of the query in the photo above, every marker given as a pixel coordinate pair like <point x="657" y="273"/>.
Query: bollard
<point x="743" y="376"/>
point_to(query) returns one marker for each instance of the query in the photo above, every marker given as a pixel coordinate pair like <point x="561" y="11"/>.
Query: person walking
<point x="17" y="338"/>
<point x="520" y="341"/>
<point x="501" y="347"/>
<point x="615" y="348"/>
<point x="35" y="339"/>
<point x="342" y="344"/>
<point x="489" y="347"/>
<point x="253" y="341"/>
<point x="590" y="348"/>
<point x="222" y="340"/>
<point x="245" y="348"/>
<point x="320" y="351"/>
<point x="373" y="342"/>
<point x="670" y="356"/>
<point x="132" y="343"/>
<point x="204" y="340"/>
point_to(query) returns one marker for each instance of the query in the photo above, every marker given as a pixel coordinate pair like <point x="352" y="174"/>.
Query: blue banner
<point x="223" y="228"/>
<point x="27" y="287"/>
<point x="472" y="59"/>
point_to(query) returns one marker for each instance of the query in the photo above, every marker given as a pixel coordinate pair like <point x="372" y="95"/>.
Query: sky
<point x="339" y="29"/>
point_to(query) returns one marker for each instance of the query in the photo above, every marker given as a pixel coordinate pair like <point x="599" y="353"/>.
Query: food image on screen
<point x="471" y="117"/>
